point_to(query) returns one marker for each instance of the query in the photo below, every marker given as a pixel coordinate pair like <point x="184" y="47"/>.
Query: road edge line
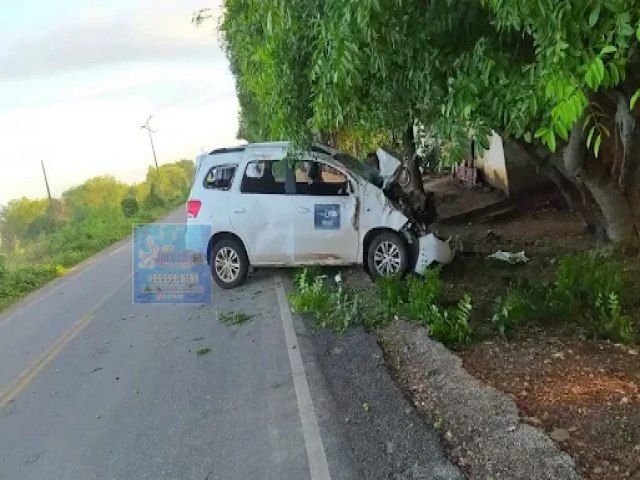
<point x="318" y="465"/>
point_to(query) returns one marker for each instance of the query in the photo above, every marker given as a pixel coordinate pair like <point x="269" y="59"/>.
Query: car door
<point x="260" y="213"/>
<point x="324" y="215"/>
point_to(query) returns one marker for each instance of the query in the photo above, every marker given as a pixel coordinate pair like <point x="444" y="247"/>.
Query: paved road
<point x="93" y="387"/>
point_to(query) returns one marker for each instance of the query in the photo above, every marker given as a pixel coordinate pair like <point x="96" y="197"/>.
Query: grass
<point x="39" y="261"/>
<point x="591" y="293"/>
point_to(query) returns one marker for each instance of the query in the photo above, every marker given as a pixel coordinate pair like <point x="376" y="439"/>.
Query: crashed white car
<point x="269" y="207"/>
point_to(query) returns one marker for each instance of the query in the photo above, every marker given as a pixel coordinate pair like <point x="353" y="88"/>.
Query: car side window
<point x="220" y="177"/>
<point x="317" y="178"/>
<point x="264" y="177"/>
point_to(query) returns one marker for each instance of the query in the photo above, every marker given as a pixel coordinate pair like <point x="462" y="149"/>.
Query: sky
<point x="79" y="77"/>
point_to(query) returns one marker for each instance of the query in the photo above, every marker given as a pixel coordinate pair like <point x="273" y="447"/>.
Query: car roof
<point x="225" y="155"/>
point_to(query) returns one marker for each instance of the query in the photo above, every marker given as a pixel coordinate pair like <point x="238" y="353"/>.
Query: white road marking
<point x="318" y="466"/>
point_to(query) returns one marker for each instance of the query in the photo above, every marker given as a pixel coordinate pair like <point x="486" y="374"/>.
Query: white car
<point x="267" y="206"/>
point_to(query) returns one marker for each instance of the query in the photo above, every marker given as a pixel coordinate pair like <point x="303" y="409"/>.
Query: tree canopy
<point x="558" y="76"/>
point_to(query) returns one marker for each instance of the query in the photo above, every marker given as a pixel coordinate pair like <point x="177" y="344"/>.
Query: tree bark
<point x="620" y="224"/>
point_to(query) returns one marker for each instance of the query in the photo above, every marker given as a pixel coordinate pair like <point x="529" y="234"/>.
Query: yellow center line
<point x="27" y="375"/>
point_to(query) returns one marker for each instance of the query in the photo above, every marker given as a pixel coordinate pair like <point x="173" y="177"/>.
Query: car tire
<point x="229" y="263"/>
<point x="387" y="256"/>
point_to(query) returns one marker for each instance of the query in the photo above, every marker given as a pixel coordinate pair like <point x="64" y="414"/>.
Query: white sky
<point x="78" y="79"/>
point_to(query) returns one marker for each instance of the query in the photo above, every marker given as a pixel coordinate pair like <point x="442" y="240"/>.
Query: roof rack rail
<point x="226" y="150"/>
<point x="319" y="149"/>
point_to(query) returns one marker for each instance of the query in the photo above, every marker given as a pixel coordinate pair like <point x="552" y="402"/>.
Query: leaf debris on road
<point x="203" y="351"/>
<point x="234" y="318"/>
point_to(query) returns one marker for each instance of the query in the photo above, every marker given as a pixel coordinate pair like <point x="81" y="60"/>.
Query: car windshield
<point x="366" y="171"/>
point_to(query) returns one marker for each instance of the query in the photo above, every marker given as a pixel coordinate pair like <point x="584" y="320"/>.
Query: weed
<point x="234" y="318"/>
<point x="451" y="326"/>
<point x="311" y="296"/>
<point x="611" y="323"/>
<point x="336" y="309"/>
<point x="391" y="296"/>
<point x="511" y="311"/>
<point x="587" y="290"/>
<point x="423" y="294"/>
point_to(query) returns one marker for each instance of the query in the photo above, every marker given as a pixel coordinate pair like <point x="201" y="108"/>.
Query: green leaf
<point x="608" y="49"/>
<point x="541" y="132"/>
<point x="590" y="136"/>
<point x="562" y="131"/>
<point x="595" y="14"/>
<point x="596" y="145"/>
<point x="614" y="74"/>
<point x="638" y="32"/>
<point x="634" y="99"/>
<point x="551" y="141"/>
<point x="600" y="69"/>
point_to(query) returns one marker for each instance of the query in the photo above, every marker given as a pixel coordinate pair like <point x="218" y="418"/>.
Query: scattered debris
<point x="97" y="369"/>
<point x="197" y="339"/>
<point x="234" y="318"/>
<point x="33" y="459"/>
<point x="509" y="257"/>
<point x="202" y="351"/>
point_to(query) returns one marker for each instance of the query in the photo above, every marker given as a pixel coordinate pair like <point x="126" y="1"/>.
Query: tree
<point x="103" y="193"/>
<point x="557" y="76"/>
<point x="15" y="219"/>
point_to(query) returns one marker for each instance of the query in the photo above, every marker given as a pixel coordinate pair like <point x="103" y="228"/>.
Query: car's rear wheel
<point x="229" y="263"/>
<point x="387" y="256"/>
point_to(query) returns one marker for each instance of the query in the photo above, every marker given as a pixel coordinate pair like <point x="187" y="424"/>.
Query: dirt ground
<point x="584" y="393"/>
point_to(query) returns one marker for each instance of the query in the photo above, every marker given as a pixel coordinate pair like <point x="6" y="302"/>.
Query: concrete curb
<point x="481" y="425"/>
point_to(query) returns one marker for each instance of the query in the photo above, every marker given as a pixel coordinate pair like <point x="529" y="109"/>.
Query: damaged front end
<point x="418" y="208"/>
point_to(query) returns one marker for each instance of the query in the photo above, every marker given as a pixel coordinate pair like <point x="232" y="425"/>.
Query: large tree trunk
<point x="620" y="224"/>
<point x="613" y="178"/>
<point x="421" y="204"/>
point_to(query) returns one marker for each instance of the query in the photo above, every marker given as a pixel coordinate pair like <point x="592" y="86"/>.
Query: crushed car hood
<point x="398" y="189"/>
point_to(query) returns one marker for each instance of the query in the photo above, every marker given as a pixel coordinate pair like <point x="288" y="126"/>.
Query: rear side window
<point x="220" y="177"/>
<point x="265" y="177"/>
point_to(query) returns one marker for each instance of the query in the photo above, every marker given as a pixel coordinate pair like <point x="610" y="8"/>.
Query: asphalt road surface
<point x="94" y="387"/>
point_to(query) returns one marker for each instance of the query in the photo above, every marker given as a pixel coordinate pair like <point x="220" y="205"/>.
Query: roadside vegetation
<point x="586" y="292"/>
<point x="337" y="306"/>
<point x="38" y="245"/>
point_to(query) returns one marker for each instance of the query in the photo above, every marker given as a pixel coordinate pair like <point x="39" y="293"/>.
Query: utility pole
<point x="147" y="127"/>
<point x="46" y="182"/>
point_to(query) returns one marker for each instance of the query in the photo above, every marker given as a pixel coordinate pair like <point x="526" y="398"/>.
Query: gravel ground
<point x="480" y="424"/>
<point x="388" y="438"/>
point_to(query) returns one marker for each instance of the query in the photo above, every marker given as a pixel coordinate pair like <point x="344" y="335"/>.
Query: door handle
<point x="303" y="210"/>
<point x="239" y="210"/>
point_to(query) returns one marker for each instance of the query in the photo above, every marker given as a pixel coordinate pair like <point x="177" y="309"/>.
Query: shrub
<point x="129" y="206"/>
<point x="588" y="289"/>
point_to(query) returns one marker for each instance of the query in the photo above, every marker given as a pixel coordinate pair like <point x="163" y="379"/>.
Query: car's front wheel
<point x="387" y="256"/>
<point x="229" y="263"/>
